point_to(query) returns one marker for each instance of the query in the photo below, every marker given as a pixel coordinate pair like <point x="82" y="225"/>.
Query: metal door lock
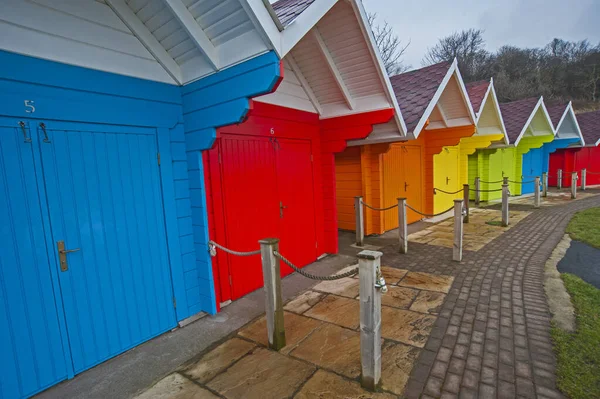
<point x="380" y="281"/>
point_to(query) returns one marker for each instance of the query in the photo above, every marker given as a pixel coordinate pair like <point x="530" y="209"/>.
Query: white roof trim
<point x="146" y="38"/>
<point x="385" y="79"/>
<point x="491" y="90"/>
<point x="299" y="27"/>
<point x="539" y="104"/>
<point x="337" y="77"/>
<point x="199" y="38"/>
<point x="436" y="97"/>
<point x="307" y="89"/>
<point x="267" y="22"/>
<point x="569" y="110"/>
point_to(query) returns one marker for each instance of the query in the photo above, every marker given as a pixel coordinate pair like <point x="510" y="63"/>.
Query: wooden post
<point x="477" y="188"/>
<point x="559" y="179"/>
<point x="573" y="185"/>
<point x="583" y="179"/>
<point x="402" y="226"/>
<point x="273" y="300"/>
<point x="359" y="217"/>
<point x="370" y="318"/>
<point x="466" y="200"/>
<point x="458" y="231"/>
<point x="536" y="193"/>
<point x="544" y="184"/>
<point x="505" y="205"/>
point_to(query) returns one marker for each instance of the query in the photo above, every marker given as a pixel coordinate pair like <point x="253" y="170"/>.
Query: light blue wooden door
<point x="105" y="203"/>
<point x="532" y="167"/>
<point x="31" y="351"/>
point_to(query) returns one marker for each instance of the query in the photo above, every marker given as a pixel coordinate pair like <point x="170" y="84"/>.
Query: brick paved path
<point x="492" y="338"/>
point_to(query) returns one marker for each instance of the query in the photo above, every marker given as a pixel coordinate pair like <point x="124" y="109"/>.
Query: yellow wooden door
<point x="446" y="177"/>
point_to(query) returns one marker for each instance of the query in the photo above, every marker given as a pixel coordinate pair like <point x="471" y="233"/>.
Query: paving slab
<point x="334" y="348"/>
<point x="347" y="287"/>
<point x="405" y="326"/>
<point x="326" y="385"/>
<point x="218" y="360"/>
<point x="428" y="302"/>
<point x="338" y="310"/>
<point x="397" y="361"/>
<point x="399" y="297"/>
<point x="297" y="328"/>
<point x="263" y="374"/>
<point x="427" y="281"/>
<point x="176" y="386"/>
<point x="304" y="301"/>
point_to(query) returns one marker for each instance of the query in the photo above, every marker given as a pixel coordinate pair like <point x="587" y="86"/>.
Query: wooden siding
<point x="86" y="34"/>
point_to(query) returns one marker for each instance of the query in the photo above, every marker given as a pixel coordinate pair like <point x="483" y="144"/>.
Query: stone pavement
<point x="322" y="355"/>
<point x="492" y="336"/>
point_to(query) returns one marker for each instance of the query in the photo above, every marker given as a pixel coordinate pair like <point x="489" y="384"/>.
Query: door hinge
<point x="174" y="302"/>
<point x="316" y="244"/>
<point x="220" y="158"/>
<point x="311" y="157"/>
<point x="230" y="280"/>
<point x="158" y="158"/>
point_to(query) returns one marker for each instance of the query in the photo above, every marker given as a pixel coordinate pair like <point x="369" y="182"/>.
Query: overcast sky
<point x="524" y="23"/>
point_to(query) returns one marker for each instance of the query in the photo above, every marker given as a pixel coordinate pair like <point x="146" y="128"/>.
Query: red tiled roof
<point x="515" y="115"/>
<point x="476" y="91"/>
<point x="589" y="123"/>
<point x="556" y="112"/>
<point x="415" y="90"/>
<point x="288" y="10"/>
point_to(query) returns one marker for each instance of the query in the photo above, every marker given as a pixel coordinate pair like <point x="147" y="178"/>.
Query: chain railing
<point x="212" y="246"/>
<point x="435" y="190"/>
<point x="380" y="209"/>
<point x="429" y="215"/>
<point x="491" y="182"/>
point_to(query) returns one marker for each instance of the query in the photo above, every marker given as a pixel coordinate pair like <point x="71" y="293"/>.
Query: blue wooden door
<point x="31" y="350"/>
<point x="532" y="167"/>
<point x="105" y="203"/>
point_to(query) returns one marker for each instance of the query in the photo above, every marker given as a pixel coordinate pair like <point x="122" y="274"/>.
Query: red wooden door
<point x="250" y="209"/>
<point x="296" y="202"/>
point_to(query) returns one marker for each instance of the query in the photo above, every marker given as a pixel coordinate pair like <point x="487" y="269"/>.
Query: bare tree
<point x="468" y="47"/>
<point x="390" y="46"/>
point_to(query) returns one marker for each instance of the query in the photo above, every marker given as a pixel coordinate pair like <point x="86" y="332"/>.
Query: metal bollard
<point x="477" y="188"/>
<point x="273" y="301"/>
<point x="402" y="225"/>
<point x="583" y="179"/>
<point x="371" y="283"/>
<point x="559" y="179"/>
<point x="458" y="231"/>
<point x="574" y="179"/>
<point x="536" y="193"/>
<point x="544" y="184"/>
<point x="505" y="195"/>
<point x="359" y="217"/>
<point x="466" y="199"/>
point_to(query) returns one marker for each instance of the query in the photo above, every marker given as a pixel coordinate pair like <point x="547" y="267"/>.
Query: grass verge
<point x="585" y="227"/>
<point x="578" y="353"/>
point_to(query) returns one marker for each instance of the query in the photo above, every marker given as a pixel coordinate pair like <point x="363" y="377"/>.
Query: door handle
<point x="62" y="255"/>
<point x="281" y="208"/>
<point x="405" y="186"/>
<point x="447" y="180"/>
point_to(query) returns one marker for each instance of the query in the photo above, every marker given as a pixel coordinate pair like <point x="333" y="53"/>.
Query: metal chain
<point x="447" y="192"/>
<point x="491" y="182"/>
<point x="212" y="245"/>
<point x="351" y="273"/>
<point x="380" y="209"/>
<point x="427" y="215"/>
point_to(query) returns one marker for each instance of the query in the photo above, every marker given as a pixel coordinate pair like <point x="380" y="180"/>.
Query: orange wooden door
<point x="413" y="187"/>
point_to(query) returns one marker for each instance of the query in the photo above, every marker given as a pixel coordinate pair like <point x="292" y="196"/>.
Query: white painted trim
<point x="442" y="114"/>
<point x="363" y="22"/>
<point x="463" y="91"/>
<point x="311" y="95"/>
<point x="300" y="26"/>
<point x="498" y="111"/>
<point x="146" y="38"/>
<point x="265" y="24"/>
<point x="434" y="100"/>
<point x="333" y="68"/>
<point x="483" y="101"/>
<point x="273" y="15"/>
<point x="199" y="38"/>
<point x="569" y="110"/>
<point x="539" y="104"/>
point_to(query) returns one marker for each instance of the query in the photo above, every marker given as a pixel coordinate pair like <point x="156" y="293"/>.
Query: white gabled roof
<point x="488" y="116"/>
<point x="565" y="122"/>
